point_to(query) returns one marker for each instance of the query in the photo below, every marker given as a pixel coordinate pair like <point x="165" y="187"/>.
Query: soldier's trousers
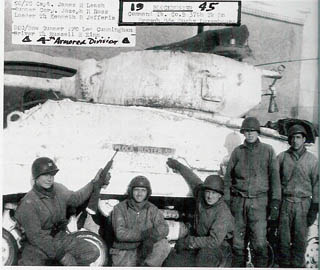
<point x="293" y="233"/>
<point x="83" y="252"/>
<point x="131" y="257"/>
<point x="250" y="216"/>
<point x="204" y="257"/>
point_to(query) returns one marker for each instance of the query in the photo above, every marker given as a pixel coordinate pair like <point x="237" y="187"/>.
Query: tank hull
<point x="81" y="137"/>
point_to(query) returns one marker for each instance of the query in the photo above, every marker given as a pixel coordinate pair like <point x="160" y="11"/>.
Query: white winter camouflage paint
<point x="80" y="137"/>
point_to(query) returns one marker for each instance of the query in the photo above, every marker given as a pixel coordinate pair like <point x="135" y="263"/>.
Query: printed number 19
<point x="210" y="7"/>
<point x="136" y="7"/>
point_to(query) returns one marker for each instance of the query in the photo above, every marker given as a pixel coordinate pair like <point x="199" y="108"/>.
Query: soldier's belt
<point x="294" y="199"/>
<point x="236" y="193"/>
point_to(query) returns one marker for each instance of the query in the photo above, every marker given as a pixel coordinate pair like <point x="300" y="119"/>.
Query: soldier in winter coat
<point x="252" y="184"/>
<point x="42" y="216"/>
<point x="140" y="229"/>
<point x="300" y="194"/>
<point x="207" y="245"/>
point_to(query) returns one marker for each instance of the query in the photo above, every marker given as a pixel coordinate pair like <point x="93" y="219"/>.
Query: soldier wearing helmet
<point x="300" y="194"/>
<point x="208" y="245"/>
<point x="42" y="215"/>
<point x="140" y="229"/>
<point x="252" y="184"/>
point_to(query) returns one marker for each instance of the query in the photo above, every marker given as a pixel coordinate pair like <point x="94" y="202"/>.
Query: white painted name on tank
<point x="143" y="149"/>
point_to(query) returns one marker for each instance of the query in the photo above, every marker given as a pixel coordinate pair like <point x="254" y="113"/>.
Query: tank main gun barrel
<point x="66" y="86"/>
<point x="27" y="82"/>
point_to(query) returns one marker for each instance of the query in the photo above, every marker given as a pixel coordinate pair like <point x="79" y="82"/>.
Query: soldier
<point x="42" y="216"/>
<point x="251" y="177"/>
<point x="300" y="191"/>
<point x="208" y="245"/>
<point x="140" y="229"/>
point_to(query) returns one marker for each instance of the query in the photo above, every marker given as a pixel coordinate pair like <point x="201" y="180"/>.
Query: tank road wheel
<point x="9" y="249"/>
<point x="97" y="241"/>
<point x="312" y="253"/>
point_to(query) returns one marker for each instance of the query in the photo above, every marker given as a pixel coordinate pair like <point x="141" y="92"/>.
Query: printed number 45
<point x="203" y="6"/>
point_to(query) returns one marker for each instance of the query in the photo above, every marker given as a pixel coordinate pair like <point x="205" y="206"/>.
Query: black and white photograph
<point x="160" y="133"/>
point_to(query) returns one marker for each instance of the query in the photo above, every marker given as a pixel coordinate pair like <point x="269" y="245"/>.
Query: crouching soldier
<point x="42" y="216"/>
<point x="140" y="229"/>
<point x="213" y="224"/>
<point x="300" y="181"/>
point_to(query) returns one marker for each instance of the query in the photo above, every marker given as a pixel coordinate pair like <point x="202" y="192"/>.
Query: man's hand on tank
<point x="173" y="164"/>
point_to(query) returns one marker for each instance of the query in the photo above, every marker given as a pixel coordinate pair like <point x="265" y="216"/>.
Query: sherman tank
<point x="147" y="106"/>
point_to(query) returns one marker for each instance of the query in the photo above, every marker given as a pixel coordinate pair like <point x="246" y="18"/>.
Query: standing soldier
<point x="300" y="181"/>
<point x="252" y="177"/>
<point x="140" y="229"/>
<point x="208" y="245"/>
<point x="42" y="216"/>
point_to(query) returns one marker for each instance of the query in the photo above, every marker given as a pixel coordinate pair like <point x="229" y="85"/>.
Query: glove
<point x="146" y="234"/>
<point x="149" y="237"/>
<point x="59" y="226"/>
<point x="272" y="226"/>
<point x="183" y="244"/>
<point x="173" y="164"/>
<point x="99" y="180"/>
<point x="106" y="180"/>
<point x="147" y="247"/>
<point x="274" y="209"/>
<point x="150" y="233"/>
<point x="180" y="245"/>
<point x="93" y="201"/>
<point x="188" y="242"/>
<point x="312" y="214"/>
<point x="68" y="260"/>
<point x="62" y="225"/>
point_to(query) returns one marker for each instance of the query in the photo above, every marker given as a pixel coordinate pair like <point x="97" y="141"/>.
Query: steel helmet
<point x="297" y="129"/>
<point x="214" y="182"/>
<point x="43" y="165"/>
<point x="139" y="181"/>
<point x="250" y="123"/>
